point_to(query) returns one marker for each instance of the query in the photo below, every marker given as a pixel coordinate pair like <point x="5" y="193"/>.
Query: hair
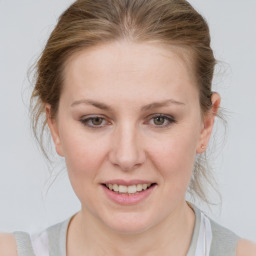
<point x="88" y="23"/>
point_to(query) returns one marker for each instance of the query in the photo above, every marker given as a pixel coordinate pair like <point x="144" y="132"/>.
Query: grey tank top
<point x="209" y="239"/>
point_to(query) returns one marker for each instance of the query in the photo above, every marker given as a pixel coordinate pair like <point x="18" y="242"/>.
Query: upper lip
<point x="127" y="182"/>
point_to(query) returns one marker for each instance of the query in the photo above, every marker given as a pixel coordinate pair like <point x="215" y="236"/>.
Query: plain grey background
<point x="24" y="203"/>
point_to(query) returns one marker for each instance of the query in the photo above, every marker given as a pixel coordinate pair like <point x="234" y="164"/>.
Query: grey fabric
<point x="193" y="244"/>
<point x="57" y="238"/>
<point x="224" y="242"/>
<point x="23" y="242"/>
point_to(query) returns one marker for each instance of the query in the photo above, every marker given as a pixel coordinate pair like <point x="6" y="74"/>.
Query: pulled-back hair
<point x="88" y="23"/>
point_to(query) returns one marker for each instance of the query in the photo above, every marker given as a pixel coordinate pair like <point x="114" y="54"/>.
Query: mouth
<point x="129" y="190"/>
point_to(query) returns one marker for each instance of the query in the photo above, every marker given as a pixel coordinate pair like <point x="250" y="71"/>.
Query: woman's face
<point x="129" y="115"/>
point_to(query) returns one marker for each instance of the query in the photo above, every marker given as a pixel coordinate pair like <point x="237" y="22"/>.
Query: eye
<point x="161" y="120"/>
<point x="93" y="122"/>
<point x="97" y="121"/>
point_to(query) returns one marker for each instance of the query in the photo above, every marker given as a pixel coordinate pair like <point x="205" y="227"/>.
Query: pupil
<point x="97" y="121"/>
<point x="159" y="120"/>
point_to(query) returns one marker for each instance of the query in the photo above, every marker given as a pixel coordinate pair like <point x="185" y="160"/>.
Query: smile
<point x="132" y="189"/>
<point x="129" y="194"/>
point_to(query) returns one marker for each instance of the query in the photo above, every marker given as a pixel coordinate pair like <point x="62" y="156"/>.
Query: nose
<point x="126" y="148"/>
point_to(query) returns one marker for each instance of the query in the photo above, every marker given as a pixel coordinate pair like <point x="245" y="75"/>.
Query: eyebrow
<point x="161" y="104"/>
<point x="147" y="107"/>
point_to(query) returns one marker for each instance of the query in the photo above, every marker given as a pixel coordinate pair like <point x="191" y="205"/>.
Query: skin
<point x="130" y="145"/>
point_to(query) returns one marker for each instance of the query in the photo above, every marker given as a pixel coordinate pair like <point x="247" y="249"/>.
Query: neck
<point x="171" y="236"/>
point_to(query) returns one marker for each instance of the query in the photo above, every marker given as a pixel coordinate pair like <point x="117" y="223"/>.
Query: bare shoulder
<point x="246" y="248"/>
<point x="7" y="245"/>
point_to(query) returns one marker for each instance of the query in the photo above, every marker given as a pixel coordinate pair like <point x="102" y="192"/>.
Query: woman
<point x="125" y="89"/>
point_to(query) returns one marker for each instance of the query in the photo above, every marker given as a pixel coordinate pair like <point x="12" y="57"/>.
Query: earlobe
<point x="208" y="123"/>
<point x="52" y="124"/>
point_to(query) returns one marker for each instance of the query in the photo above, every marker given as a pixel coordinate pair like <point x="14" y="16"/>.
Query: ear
<point x="208" y="122"/>
<point x="53" y="126"/>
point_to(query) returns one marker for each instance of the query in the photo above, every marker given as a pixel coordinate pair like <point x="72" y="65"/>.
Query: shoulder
<point x="224" y="241"/>
<point x="221" y="233"/>
<point x="7" y="245"/>
<point x="245" y="248"/>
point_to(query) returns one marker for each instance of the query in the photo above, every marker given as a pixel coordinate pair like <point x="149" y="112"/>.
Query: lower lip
<point x="125" y="199"/>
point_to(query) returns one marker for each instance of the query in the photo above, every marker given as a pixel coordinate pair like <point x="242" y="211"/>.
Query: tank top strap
<point x="50" y="242"/>
<point x="211" y="239"/>
<point x="23" y="243"/>
<point x="40" y="243"/>
<point x="205" y="237"/>
<point x="57" y="238"/>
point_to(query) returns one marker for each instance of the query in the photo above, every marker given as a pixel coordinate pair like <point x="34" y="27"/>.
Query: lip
<point x="127" y="183"/>
<point x="125" y="199"/>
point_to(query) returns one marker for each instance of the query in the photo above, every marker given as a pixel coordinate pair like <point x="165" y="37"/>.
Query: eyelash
<point x="167" y="118"/>
<point x="85" y="122"/>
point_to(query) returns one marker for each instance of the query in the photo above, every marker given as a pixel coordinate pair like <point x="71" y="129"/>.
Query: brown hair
<point x="88" y="23"/>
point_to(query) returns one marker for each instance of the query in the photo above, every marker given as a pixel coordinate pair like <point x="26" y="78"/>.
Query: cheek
<point x="83" y="157"/>
<point x="83" y="153"/>
<point x="174" y="159"/>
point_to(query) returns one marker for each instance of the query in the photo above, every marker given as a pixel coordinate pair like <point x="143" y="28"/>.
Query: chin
<point x="129" y="223"/>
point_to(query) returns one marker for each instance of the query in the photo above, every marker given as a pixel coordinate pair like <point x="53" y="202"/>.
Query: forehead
<point x="124" y="68"/>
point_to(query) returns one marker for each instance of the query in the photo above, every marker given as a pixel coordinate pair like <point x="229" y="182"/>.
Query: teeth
<point x="139" y="187"/>
<point x="123" y="189"/>
<point x="128" y="189"/>
<point x="116" y="188"/>
<point x="132" y="189"/>
<point x="144" y="186"/>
